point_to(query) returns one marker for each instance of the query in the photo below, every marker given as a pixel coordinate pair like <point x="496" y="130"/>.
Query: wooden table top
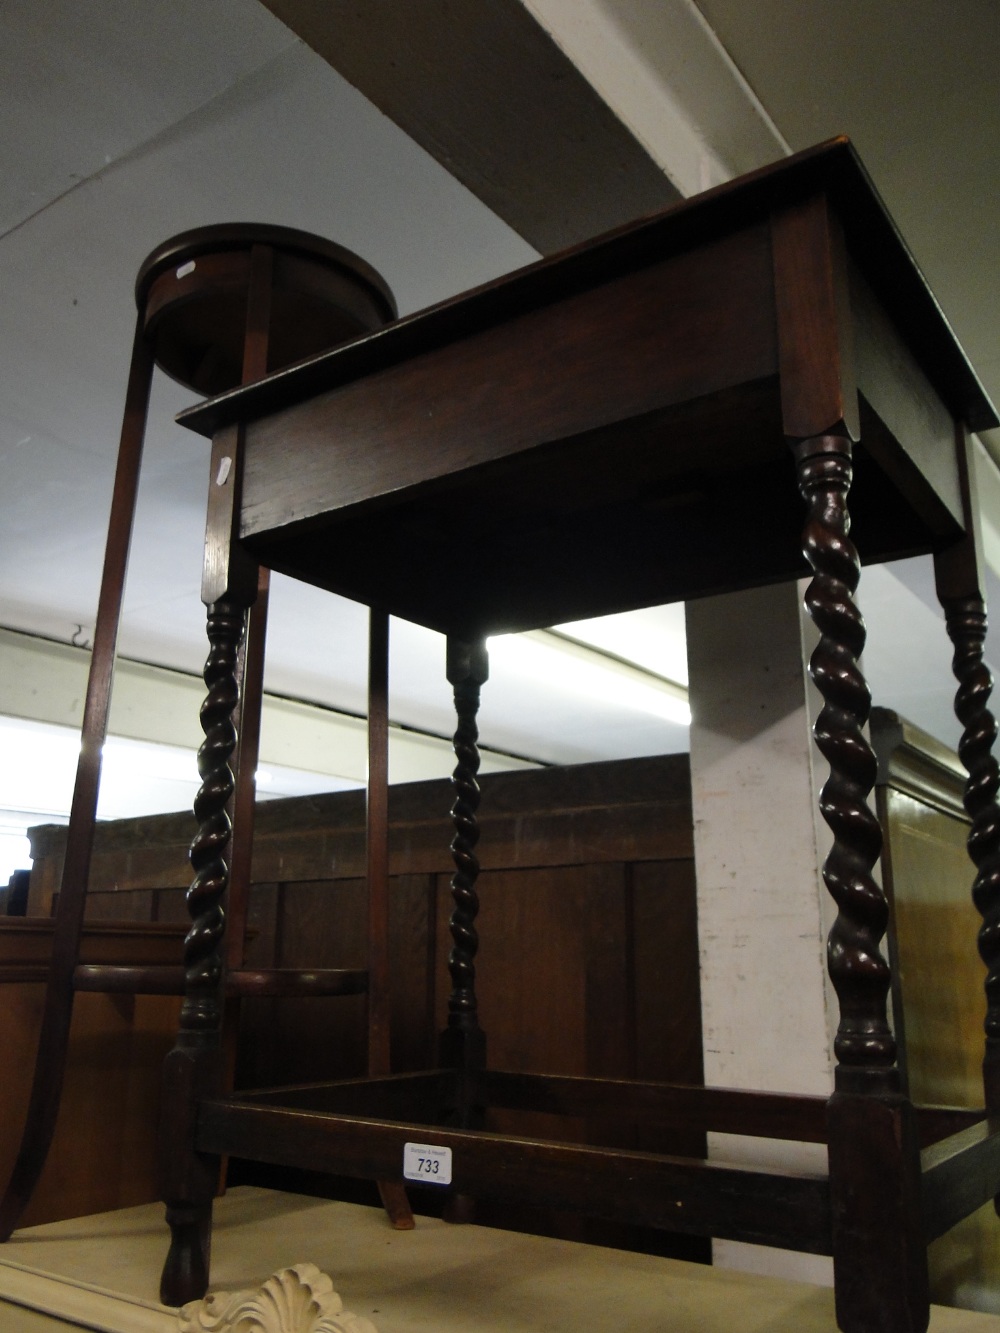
<point x="607" y="429"/>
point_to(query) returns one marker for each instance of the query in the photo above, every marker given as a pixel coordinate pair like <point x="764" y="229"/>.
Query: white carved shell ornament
<point x="300" y="1299"/>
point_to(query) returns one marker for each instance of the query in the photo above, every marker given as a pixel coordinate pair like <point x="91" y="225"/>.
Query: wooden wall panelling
<point x="588" y="969"/>
<point x="170" y="905"/>
<point x="668" y="1043"/>
<point x="324" y="922"/>
<point x="151" y="1034"/>
<point x="588" y="959"/>
<point x="121" y="905"/>
<point x="938" y="996"/>
<point x="257" y="1020"/>
<point x="413" y="962"/>
<point x="637" y="809"/>
<point x="320" y="923"/>
<point x="102" y="1155"/>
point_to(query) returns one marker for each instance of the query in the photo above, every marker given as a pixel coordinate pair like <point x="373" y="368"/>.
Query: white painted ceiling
<point x="125" y="123"/>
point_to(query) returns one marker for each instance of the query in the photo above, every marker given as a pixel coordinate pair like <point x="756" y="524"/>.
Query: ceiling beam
<point x="45" y="681"/>
<point x="487" y="92"/>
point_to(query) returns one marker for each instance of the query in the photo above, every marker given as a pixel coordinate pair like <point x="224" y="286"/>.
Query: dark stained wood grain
<point x="670" y="1105"/>
<point x="940" y="1122"/>
<point x="389" y="1096"/>
<point x="864" y="1044"/>
<point x="317" y="1038"/>
<point x="664" y="1105"/>
<point x="193" y="290"/>
<point x="665" y="925"/>
<point x="221" y="856"/>
<point x="547" y="826"/>
<point x="413" y="971"/>
<point x="907" y="426"/>
<point x="102" y="1152"/>
<point x="833" y="168"/>
<point x="377" y="979"/>
<point x="645" y="456"/>
<point x="272" y="982"/>
<point x="547" y="375"/>
<point x="690" y="1197"/>
<point x="228" y="570"/>
<point x="879" y="1246"/>
<point x="815" y="336"/>
<point x="959" y="1174"/>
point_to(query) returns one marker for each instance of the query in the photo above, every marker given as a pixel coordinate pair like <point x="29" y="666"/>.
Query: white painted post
<point x="762" y="908"/>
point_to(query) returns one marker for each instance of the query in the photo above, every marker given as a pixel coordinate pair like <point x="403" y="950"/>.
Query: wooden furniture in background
<point x="937" y="972"/>
<point x="217" y="307"/>
<point x="607" y="429"/>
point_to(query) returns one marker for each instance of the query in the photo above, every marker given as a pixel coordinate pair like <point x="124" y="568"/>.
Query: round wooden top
<point x="193" y="291"/>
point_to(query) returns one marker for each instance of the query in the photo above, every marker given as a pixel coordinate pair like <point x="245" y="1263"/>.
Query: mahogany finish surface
<point x="192" y="291"/>
<point x="678" y="1194"/>
<point x="620" y="426"/>
<point x="618" y="408"/>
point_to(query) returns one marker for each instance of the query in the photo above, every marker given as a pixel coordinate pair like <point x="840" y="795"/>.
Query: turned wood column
<point x="879" y="1251"/>
<point x="195" y="1067"/>
<point x="463" y="1042"/>
<point x="958" y="574"/>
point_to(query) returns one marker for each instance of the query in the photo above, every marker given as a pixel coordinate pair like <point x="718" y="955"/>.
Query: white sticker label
<point x="422" y="1161"/>
<point x="185" y="269"/>
<point x="224" y="466"/>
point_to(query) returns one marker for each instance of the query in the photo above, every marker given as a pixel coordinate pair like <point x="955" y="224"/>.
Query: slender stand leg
<point x="53" y="1041"/>
<point x="193" y="1069"/>
<point x="879" y="1252"/>
<point x="250" y="673"/>
<point x="391" y="1192"/>
<point x="250" y="679"/>
<point x="377" y="843"/>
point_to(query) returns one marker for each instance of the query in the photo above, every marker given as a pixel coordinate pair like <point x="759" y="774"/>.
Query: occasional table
<point x="641" y="419"/>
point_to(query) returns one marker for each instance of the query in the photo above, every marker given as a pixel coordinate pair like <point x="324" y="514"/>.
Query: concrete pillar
<point x="768" y="1012"/>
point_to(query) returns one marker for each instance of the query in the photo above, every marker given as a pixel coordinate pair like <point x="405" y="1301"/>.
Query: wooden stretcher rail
<point x="959" y="1175"/>
<point x="726" y="1110"/>
<point x="675" y="1106"/>
<point x="169" y="980"/>
<point x="393" y="1097"/>
<point x="693" y="1197"/>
